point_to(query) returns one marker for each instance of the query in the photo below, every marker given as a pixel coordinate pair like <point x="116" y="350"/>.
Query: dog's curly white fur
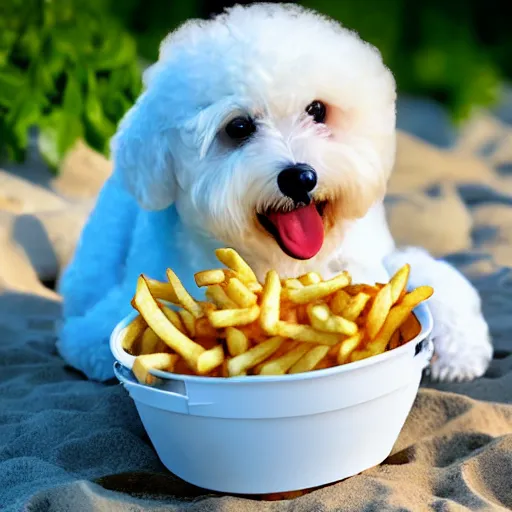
<point x="180" y="189"/>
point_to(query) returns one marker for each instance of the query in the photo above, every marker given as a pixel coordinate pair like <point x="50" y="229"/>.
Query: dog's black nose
<point x="297" y="181"/>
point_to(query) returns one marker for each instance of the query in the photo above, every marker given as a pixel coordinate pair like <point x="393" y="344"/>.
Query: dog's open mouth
<point x="299" y="232"/>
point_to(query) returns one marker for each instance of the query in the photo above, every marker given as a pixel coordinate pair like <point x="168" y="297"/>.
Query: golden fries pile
<point x="283" y="326"/>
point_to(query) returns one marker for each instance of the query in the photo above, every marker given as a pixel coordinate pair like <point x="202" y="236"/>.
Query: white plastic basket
<point x="264" y="434"/>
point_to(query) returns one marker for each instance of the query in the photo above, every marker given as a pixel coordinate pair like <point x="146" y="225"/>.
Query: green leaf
<point x="59" y="132"/>
<point x="11" y="83"/>
<point x="72" y="103"/>
<point x="99" y="129"/>
<point x="25" y="113"/>
<point x="115" y="53"/>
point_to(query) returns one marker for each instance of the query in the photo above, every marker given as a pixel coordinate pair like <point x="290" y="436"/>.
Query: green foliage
<point x="434" y="48"/>
<point x="66" y="67"/>
<point x="149" y="21"/>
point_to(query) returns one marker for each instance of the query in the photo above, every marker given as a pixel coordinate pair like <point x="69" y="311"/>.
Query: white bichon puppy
<point x="269" y="129"/>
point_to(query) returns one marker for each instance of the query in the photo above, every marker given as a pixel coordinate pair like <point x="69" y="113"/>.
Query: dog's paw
<point x="462" y="346"/>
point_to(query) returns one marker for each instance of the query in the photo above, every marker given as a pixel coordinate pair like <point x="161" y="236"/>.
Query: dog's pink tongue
<point x="301" y="231"/>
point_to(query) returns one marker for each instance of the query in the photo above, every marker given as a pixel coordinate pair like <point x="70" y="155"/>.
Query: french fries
<point x="243" y="362"/>
<point x="131" y="333"/>
<point x="280" y="365"/>
<point x="283" y="326"/>
<point x="310" y="278"/>
<point x="144" y="363"/>
<point x="163" y="328"/>
<point x="209" y="277"/>
<point x="240" y="294"/>
<point x="234" y="261"/>
<point x="233" y="317"/>
<point x="322" y="319"/>
<point x="270" y="302"/>
<point x="149" y="342"/>
<point x="183" y="297"/>
<point x="379" y="311"/>
<point x="237" y="341"/>
<point x="315" y="291"/>
<point x="219" y="297"/>
<point x="310" y="359"/>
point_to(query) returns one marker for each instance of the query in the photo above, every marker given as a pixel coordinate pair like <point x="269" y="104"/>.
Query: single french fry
<point x="209" y="277"/>
<point x="210" y="359"/>
<point x="233" y="317"/>
<point x="322" y="319"/>
<point x="347" y="346"/>
<point x="148" y="342"/>
<point x="174" y="318"/>
<point x="282" y="364"/>
<point x="237" y="341"/>
<point x="292" y="284"/>
<point x="163" y="328"/>
<point x="162" y="291"/>
<point x="235" y="262"/>
<point x="243" y="362"/>
<point x="144" y="363"/>
<point x="132" y="332"/>
<point x="317" y="291"/>
<point x="188" y="321"/>
<point x="184" y="298"/>
<point x="417" y="296"/>
<point x="339" y="302"/>
<point x="410" y="328"/>
<point x="219" y="297"/>
<point x="310" y="278"/>
<point x="379" y="310"/>
<point x="240" y="294"/>
<point x="398" y="283"/>
<point x="309" y="360"/>
<point x="355" y="306"/>
<point x="306" y="334"/>
<point x="270" y="302"/>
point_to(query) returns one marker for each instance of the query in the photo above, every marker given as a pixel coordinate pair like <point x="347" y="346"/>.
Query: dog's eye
<point x="317" y="111"/>
<point x="240" y="128"/>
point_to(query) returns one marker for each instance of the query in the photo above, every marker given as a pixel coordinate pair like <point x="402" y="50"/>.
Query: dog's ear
<point x="141" y="151"/>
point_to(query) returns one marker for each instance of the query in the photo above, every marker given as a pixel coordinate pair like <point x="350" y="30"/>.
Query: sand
<point x="70" y="444"/>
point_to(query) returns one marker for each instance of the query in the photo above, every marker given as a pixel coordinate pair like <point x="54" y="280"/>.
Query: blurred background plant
<point x="67" y="67"/>
<point x="71" y="68"/>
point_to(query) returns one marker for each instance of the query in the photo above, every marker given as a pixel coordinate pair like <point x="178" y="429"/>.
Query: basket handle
<point x="172" y="399"/>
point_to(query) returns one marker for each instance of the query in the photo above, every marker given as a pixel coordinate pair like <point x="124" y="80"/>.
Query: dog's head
<point x="269" y="127"/>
